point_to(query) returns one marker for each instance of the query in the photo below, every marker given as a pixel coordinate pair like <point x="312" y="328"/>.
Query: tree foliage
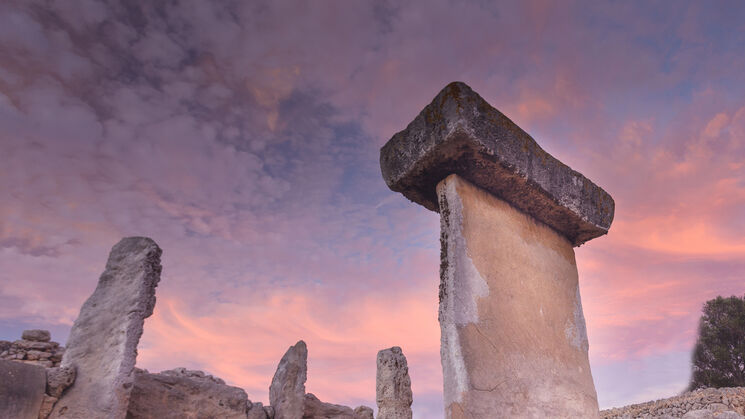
<point x="719" y="355"/>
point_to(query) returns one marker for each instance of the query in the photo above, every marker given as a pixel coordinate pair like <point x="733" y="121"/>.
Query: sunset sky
<point x="243" y="137"/>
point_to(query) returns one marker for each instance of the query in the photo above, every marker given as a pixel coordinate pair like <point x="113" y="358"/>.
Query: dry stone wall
<point x="35" y="347"/>
<point x="714" y="402"/>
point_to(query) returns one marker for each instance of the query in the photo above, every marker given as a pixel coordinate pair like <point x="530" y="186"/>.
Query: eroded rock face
<point x="59" y="379"/>
<point x="182" y="393"/>
<point x="393" y="385"/>
<point x="316" y="409"/>
<point x="257" y="411"/>
<point x="102" y="346"/>
<point x="21" y="390"/>
<point x="287" y="391"/>
<point x="513" y="339"/>
<point x="363" y="412"/>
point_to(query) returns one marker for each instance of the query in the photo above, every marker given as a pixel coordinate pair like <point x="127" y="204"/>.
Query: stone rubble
<point x="35" y="347"/>
<point x="720" y="403"/>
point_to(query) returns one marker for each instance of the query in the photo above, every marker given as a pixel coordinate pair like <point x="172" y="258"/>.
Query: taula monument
<point x="513" y="338"/>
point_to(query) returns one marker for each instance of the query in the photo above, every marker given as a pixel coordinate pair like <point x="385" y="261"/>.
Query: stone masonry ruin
<point x="95" y="375"/>
<point x="513" y="338"/>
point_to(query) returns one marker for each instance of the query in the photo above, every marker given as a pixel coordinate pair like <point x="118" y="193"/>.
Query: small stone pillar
<point x="393" y="385"/>
<point x="513" y="339"/>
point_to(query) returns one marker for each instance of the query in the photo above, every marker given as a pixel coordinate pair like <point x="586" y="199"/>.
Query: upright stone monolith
<point x="513" y="339"/>
<point x="393" y="385"/>
<point x="287" y="391"/>
<point x="102" y="346"/>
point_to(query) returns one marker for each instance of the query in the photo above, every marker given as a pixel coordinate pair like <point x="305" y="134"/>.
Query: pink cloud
<point x="243" y="343"/>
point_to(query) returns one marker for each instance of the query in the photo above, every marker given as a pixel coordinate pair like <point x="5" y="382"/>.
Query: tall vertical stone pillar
<point x="513" y="339"/>
<point x="102" y="346"/>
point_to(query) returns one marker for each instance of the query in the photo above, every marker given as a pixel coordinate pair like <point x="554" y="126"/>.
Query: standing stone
<point x="287" y="391"/>
<point x="513" y="339"/>
<point x="102" y="346"/>
<point x="393" y="385"/>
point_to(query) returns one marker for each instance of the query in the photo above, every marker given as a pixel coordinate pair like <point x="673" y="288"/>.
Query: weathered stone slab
<point x="37" y="335"/>
<point x="460" y="133"/>
<point x="393" y="385"/>
<point x="185" y="395"/>
<point x="287" y="391"/>
<point x="513" y="339"/>
<point x="21" y="390"/>
<point x="103" y="341"/>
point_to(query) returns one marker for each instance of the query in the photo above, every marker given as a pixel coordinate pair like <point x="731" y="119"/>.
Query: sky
<point x="243" y="137"/>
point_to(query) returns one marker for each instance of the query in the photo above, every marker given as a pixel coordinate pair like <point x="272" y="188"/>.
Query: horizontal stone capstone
<point x="460" y="133"/>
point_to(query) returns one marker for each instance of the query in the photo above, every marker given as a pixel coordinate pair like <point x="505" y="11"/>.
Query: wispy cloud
<point x="243" y="137"/>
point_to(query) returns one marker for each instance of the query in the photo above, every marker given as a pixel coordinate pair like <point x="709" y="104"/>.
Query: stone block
<point x="187" y="396"/>
<point x="21" y="390"/>
<point x="460" y="133"/>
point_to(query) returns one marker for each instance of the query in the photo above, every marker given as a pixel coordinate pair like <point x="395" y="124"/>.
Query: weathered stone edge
<point x="459" y="132"/>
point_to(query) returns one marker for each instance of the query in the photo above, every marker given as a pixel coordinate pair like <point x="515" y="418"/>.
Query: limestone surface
<point x="513" y="339"/>
<point x="287" y="390"/>
<point x="36" y="335"/>
<point x="393" y="385"/>
<point x="181" y="393"/>
<point x="21" y="390"/>
<point x="460" y="133"/>
<point x="102" y="346"/>
<point x="59" y="379"/>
